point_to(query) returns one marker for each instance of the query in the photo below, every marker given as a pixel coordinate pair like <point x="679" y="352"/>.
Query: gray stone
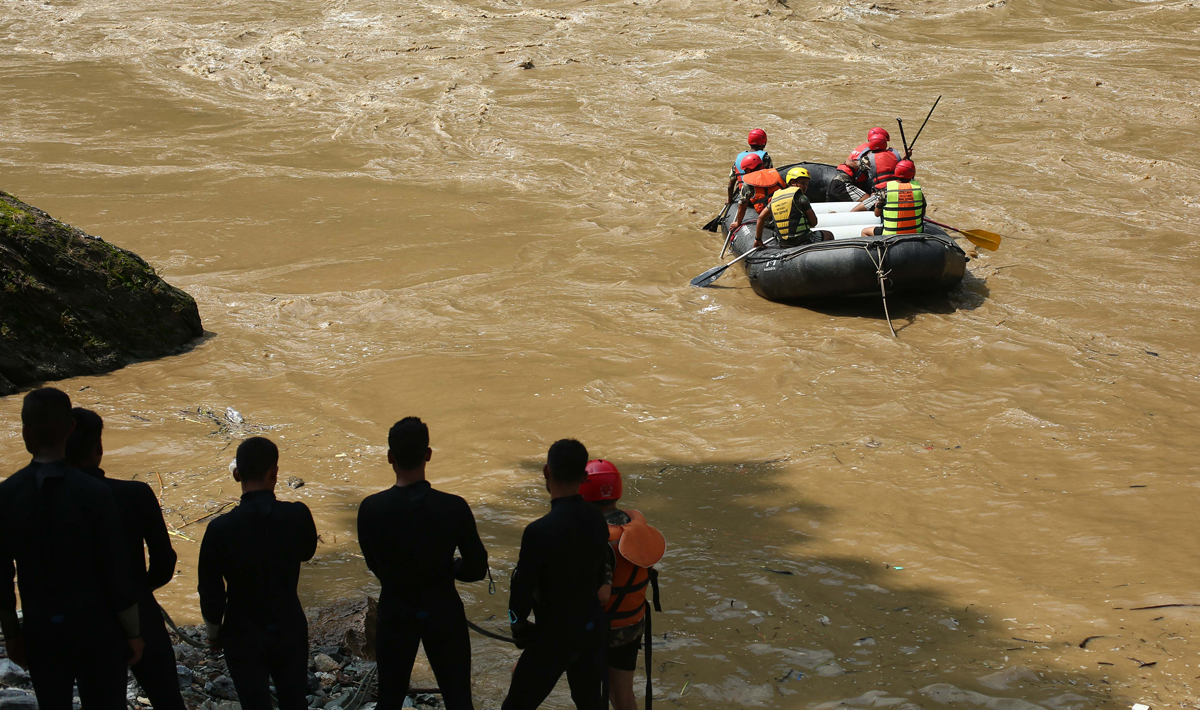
<point x="222" y="687"/>
<point x="325" y="663"/>
<point x="185" y="676"/>
<point x="14" y="699"/>
<point x="11" y="673"/>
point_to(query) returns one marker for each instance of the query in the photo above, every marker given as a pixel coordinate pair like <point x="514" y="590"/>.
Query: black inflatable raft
<point x="925" y="263"/>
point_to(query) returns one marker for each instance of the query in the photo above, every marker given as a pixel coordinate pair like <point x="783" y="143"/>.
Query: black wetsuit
<point x="142" y="520"/>
<point x="256" y="549"/>
<point x="408" y="537"/>
<point x="559" y="572"/>
<point x="61" y="535"/>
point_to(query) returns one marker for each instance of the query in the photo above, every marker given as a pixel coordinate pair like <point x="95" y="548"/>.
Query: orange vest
<point x="765" y="183"/>
<point x="637" y="547"/>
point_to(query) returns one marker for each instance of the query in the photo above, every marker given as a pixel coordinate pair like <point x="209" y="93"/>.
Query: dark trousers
<point x="256" y="657"/>
<point x="94" y="656"/>
<point x="156" y="671"/>
<point x="580" y="655"/>
<point x="442" y="629"/>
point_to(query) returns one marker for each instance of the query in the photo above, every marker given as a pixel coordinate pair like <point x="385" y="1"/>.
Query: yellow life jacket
<point x="903" y="208"/>
<point x="789" y="219"/>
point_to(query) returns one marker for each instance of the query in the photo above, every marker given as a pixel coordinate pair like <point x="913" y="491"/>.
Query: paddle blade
<point x="712" y="226"/>
<point x="709" y="276"/>
<point x="983" y="239"/>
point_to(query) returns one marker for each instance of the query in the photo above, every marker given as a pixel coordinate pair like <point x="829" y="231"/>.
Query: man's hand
<point x="16" y="651"/>
<point x="524" y="632"/>
<point x="758" y="244"/>
<point x="733" y="228"/>
<point x="136" y="646"/>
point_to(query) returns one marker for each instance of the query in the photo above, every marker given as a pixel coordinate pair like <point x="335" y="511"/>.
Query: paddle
<point x="909" y="149"/>
<point x="715" y="273"/>
<point x="712" y="226"/>
<point x="979" y="237"/>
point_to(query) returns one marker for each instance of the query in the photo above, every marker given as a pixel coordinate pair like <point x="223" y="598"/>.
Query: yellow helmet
<point x="797" y="173"/>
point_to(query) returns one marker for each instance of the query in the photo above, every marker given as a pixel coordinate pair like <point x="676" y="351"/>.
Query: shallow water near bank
<point x="381" y="214"/>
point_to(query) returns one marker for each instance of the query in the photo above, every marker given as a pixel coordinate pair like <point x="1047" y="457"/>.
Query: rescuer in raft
<point x="758" y="184"/>
<point x="792" y="214"/>
<point x="635" y="547"/>
<point x="901" y="204"/>
<point x="758" y="146"/>
<point x="878" y="161"/>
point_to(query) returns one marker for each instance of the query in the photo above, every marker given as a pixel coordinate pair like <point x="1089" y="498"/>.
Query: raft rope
<point x="881" y="250"/>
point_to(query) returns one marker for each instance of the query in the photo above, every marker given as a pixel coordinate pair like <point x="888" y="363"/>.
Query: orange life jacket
<point x="637" y="547"/>
<point x="765" y="182"/>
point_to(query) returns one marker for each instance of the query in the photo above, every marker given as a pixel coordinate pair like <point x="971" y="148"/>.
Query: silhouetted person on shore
<point x="409" y="534"/>
<point x="559" y="577"/>
<point x="60" y="534"/>
<point x="142" y="521"/>
<point x="249" y="569"/>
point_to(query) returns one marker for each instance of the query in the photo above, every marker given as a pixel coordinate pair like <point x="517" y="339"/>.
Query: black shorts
<point x="878" y="231"/>
<point x="624" y="657"/>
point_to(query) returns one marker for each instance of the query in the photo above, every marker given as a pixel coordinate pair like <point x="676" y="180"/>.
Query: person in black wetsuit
<point x="60" y="535"/>
<point x="408" y="536"/>
<point x="142" y="520"/>
<point x="560" y="577"/>
<point x="249" y="569"/>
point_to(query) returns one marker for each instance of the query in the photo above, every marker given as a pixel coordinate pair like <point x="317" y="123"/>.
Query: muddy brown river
<point x="486" y="213"/>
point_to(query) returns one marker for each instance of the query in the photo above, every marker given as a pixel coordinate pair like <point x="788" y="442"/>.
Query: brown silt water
<point x="486" y="213"/>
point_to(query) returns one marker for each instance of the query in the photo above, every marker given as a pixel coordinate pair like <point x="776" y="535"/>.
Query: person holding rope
<point x="634" y="548"/>
<point x="560" y="577"/>
<point x="145" y="530"/>
<point x="249" y="570"/>
<point x="409" y="534"/>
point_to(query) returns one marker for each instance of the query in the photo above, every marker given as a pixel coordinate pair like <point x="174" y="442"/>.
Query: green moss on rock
<point x="72" y="304"/>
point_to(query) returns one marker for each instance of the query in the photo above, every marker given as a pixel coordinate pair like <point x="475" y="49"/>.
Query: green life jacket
<point x="903" y="208"/>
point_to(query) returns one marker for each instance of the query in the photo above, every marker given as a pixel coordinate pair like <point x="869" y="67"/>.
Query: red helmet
<point x="603" y="482"/>
<point x="905" y="170"/>
<point x="877" y="143"/>
<point x="757" y="137"/>
<point x="751" y="163"/>
<point x="878" y="132"/>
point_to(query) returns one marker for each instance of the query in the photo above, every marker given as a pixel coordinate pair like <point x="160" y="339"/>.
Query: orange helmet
<point x="603" y="482"/>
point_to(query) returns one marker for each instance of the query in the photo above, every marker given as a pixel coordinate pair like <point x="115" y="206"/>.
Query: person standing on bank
<point x="142" y="520"/>
<point x="791" y="214"/>
<point x="249" y="569"/>
<point x="560" y="577"/>
<point x="634" y="548"/>
<point x="409" y="534"/>
<point x="60" y="535"/>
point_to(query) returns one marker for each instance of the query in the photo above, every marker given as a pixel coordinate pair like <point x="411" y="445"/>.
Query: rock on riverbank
<point x="73" y="304"/>
<point x="341" y="668"/>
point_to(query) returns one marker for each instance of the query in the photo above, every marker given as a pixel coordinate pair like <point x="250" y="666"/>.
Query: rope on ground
<point x="881" y="249"/>
<point x="186" y="639"/>
<point x="490" y="634"/>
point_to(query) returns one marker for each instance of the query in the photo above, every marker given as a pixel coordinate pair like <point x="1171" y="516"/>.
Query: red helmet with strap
<point x="757" y="137"/>
<point x="751" y="163"/>
<point x="878" y="132"/>
<point x="877" y="142"/>
<point x="603" y="482"/>
<point x="905" y="170"/>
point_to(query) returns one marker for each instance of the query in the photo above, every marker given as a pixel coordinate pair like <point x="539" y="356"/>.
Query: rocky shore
<point x="341" y="669"/>
<point x="73" y="304"/>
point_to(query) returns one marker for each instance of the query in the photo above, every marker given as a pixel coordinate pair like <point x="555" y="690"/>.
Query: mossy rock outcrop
<point x="73" y="304"/>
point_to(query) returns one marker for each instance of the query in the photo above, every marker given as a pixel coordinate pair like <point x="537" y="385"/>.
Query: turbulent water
<point x="486" y="214"/>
